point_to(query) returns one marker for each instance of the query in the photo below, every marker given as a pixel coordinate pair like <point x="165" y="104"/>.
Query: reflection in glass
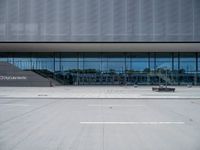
<point x="164" y="61"/>
<point x="111" y="68"/>
<point x="188" y="62"/>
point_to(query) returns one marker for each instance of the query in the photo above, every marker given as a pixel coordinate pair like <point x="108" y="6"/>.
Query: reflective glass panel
<point x="137" y="62"/>
<point x="164" y="61"/>
<point x="69" y="65"/>
<point x="188" y="62"/>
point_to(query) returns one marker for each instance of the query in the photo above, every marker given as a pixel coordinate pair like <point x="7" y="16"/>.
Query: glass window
<point x="90" y="62"/>
<point x="164" y="61"/>
<point x="43" y="65"/>
<point x="176" y="61"/>
<point x="91" y="56"/>
<point x="104" y="66"/>
<point x="69" y="56"/>
<point x="6" y="57"/>
<point x="70" y="65"/>
<point x="139" y="66"/>
<point x="42" y="57"/>
<point x="57" y="66"/>
<point x="199" y="62"/>
<point x="25" y="65"/>
<point x="152" y="61"/>
<point x="137" y="62"/>
<point x="113" y="56"/>
<point x="22" y="57"/>
<point x="96" y="65"/>
<point x="57" y="62"/>
<point x="188" y="62"/>
<point x="22" y="60"/>
<point x="43" y="61"/>
<point x="116" y="66"/>
<point x="113" y="62"/>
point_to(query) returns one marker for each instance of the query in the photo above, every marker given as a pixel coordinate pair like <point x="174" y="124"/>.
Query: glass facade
<point x="73" y="68"/>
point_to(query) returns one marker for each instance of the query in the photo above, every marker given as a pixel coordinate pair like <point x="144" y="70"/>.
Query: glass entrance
<point x="111" y="68"/>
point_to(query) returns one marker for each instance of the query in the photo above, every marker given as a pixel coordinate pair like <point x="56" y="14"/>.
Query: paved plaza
<point x="59" y="119"/>
<point x="96" y="92"/>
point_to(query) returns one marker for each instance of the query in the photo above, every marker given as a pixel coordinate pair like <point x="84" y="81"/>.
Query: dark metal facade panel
<point x="100" y="20"/>
<point x="98" y="47"/>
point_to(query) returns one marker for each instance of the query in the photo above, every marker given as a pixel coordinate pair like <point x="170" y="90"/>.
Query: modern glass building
<point x="103" y="42"/>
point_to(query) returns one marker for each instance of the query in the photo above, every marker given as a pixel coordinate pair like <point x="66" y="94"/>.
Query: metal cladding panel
<point x="98" y="47"/>
<point x="100" y="20"/>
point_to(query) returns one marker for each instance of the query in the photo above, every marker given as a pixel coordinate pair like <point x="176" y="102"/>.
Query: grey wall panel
<point x="119" y="20"/>
<point x="106" y="20"/>
<point x="92" y="18"/>
<point x="196" y="22"/>
<point x="159" y="20"/>
<point x="99" y="20"/>
<point x="2" y="20"/>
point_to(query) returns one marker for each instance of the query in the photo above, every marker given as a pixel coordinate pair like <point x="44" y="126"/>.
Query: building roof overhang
<point x="99" y="46"/>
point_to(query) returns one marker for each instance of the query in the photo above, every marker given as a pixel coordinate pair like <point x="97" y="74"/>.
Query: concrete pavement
<point x="96" y="92"/>
<point x="99" y="124"/>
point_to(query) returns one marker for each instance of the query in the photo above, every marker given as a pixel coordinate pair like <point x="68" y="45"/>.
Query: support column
<point x="196" y="73"/>
<point x="149" y="72"/>
<point x="178" y="68"/>
<point x="172" y="75"/>
<point x="78" y="69"/>
<point x="54" y="64"/>
<point x="125" y="72"/>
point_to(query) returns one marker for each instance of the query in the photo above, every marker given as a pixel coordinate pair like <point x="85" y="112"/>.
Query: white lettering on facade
<point x="13" y="78"/>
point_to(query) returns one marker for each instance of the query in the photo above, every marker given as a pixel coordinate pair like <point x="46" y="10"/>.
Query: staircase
<point x="164" y="77"/>
<point x="10" y="75"/>
<point x="49" y="75"/>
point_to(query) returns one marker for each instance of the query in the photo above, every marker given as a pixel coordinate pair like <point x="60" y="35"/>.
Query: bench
<point x="163" y="89"/>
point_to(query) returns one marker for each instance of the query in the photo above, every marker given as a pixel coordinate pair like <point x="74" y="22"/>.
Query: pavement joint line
<point x="186" y="98"/>
<point x="110" y="105"/>
<point x="135" y="123"/>
<point x="24" y="105"/>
